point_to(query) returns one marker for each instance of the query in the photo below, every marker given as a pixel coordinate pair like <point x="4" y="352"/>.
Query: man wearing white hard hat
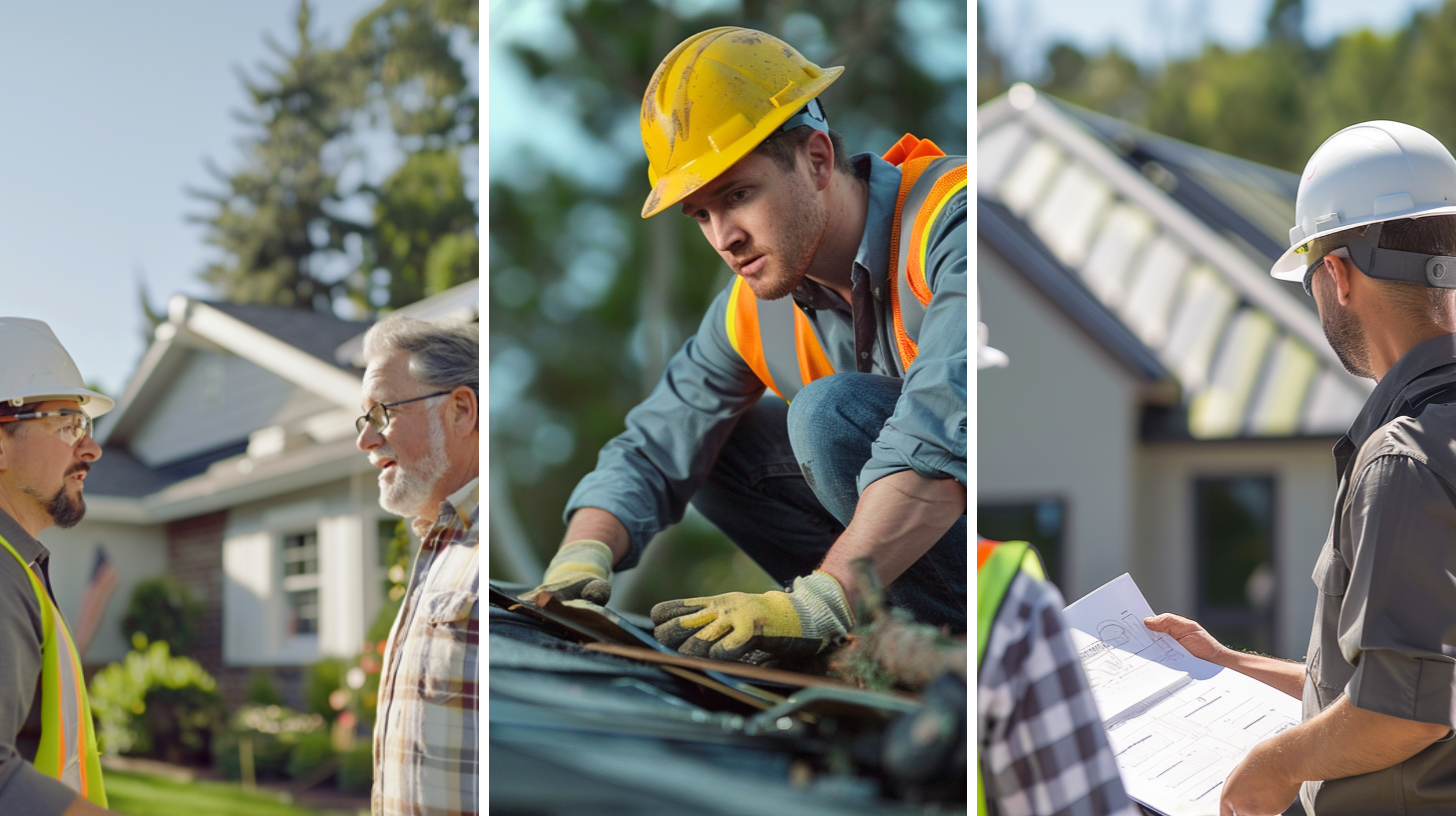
<point x="49" y="764"/>
<point x="1375" y="245"/>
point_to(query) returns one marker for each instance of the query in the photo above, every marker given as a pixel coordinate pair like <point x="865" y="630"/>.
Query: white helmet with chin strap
<point x="1368" y="174"/>
<point x="35" y="367"/>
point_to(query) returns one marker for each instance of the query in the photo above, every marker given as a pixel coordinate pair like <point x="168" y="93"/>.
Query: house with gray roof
<point x="1169" y="408"/>
<point x="229" y="463"/>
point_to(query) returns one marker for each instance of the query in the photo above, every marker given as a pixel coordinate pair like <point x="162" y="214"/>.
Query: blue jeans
<point x="783" y="489"/>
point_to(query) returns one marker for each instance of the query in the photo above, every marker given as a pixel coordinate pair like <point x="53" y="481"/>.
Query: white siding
<point x="1059" y="422"/>
<point x="342" y="559"/>
<point x="217" y="399"/>
<point x="137" y="551"/>
<point x="252" y="627"/>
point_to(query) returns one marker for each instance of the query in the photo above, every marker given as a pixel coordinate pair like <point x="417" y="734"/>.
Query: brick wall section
<point x="194" y="556"/>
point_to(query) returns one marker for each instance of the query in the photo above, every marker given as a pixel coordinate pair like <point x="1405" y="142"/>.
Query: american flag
<point x="93" y="603"/>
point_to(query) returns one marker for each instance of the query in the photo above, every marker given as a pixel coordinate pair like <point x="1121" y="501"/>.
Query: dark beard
<point x="66" y="512"/>
<point x="1343" y="333"/>
<point x="800" y="242"/>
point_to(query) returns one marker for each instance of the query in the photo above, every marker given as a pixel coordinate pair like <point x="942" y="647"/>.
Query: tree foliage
<point x="300" y="223"/>
<point x="1276" y="101"/>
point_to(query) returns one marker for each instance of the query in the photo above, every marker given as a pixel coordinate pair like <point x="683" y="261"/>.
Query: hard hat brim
<point x="681" y="182"/>
<point x="92" y="403"/>
<point x="1292" y="265"/>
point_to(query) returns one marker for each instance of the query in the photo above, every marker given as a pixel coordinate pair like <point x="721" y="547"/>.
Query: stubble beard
<point x="403" y="490"/>
<point x="1343" y="333"/>
<point x="799" y="242"/>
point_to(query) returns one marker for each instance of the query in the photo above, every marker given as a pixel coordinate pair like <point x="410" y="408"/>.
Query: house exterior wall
<point x="1060" y="422"/>
<point x="136" y="551"/>
<point x="1166" y="551"/>
<point x="217" y="399"/>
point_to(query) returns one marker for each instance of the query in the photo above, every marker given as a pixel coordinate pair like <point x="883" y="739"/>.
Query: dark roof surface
<point x="575" y="731"/>
<point x="317" y="334"/>
<point x="118" y="473"/>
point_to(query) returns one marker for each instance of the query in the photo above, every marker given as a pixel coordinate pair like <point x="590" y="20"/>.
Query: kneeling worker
<point x="849" y="302"/>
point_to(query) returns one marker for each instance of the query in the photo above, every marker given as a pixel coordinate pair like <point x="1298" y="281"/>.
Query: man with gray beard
<point x="421" y="428"/>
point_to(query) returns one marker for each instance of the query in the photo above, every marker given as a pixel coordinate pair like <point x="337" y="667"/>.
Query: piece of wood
<point x="743" y="670"/>
<point x="709" y="683"/>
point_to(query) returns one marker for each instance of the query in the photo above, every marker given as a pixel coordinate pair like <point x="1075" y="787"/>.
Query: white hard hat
<point x="34" y="367"/>
<point x="1365" y="174"/>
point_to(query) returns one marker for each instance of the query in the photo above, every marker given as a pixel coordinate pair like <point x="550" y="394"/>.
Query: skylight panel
<point x="1070" y="211"/>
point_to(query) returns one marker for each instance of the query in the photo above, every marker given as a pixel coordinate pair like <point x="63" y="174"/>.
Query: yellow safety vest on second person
<point x="67" y="737"/>
<point x="777" y="340"/>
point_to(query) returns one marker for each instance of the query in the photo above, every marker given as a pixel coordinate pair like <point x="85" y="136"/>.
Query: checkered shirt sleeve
<point x="426" y="744"/>
<point x="1041" y="744"/>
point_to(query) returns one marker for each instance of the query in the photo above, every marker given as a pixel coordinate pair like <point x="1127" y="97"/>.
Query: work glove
<point x="807" y="619"/>
<point x="581" y="569"/>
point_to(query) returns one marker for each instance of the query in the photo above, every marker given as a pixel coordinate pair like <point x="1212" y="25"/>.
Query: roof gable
<point x="1185" y="277"/>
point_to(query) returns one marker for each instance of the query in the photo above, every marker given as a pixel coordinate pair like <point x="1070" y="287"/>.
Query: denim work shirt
<point x="647" y="474"/>
<point x="1385" y="619"/>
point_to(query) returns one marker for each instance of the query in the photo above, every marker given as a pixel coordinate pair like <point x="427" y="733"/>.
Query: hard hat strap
<point x="811" y="114"/>
<point x="1438" y="271"/>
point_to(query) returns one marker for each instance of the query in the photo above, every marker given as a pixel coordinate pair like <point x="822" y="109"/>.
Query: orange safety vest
<point x="67" y="737"/>
<point x="777" y="341"/>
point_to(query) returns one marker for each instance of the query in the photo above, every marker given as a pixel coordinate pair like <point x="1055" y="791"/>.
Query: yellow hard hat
<point x="713" y="100"/>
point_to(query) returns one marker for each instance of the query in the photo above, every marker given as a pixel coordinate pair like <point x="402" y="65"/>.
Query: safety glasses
<point x="71" y="426"/>
<point x="378" y="416"/>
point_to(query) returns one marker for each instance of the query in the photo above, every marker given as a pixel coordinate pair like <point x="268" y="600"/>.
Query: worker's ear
<point x="1343" y="272"/>
<point x="819" y="153"/>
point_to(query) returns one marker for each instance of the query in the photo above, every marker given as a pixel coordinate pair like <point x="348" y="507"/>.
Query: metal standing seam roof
<point x="1173" y="240"/>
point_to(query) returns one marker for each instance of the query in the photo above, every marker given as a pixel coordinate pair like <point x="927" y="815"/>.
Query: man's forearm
<point x="1344" y="740"/>
<point x="898" y="519"/>
<point x="599" y="525"/>
<point x="1285" y="675"/>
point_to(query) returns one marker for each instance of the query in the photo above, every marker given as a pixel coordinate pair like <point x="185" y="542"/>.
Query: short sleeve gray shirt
<point x="1385" y="621"/>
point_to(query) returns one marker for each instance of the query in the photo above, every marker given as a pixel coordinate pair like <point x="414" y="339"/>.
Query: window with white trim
<point x="301" y="582"/>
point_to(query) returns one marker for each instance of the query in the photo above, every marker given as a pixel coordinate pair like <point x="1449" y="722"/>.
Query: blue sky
<point x="1154" y="30"/>
<point x="110" y="110"/>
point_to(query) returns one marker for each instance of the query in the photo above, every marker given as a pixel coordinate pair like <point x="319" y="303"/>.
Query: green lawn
<point x="138" y="795"/>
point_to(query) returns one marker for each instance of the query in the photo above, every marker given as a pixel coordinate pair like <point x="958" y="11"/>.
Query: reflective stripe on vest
<point x="996" y="567"/>
<point x="926" y="184"/>
<point x="759" y="330"/>
<point x="67" y="737"/>
<point x="776" y="340"/>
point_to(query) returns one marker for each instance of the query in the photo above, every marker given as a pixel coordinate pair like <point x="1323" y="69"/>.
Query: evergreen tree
<point x="276" y="219"/>
<point x="408" y="75"/>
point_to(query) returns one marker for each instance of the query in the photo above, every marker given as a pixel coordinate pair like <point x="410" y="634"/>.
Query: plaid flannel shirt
<point x="1042" y="746"/>
<point x="426" y="748"/>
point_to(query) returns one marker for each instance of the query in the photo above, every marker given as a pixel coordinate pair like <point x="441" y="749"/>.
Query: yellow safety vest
<point x="67" y="737"/>
<point x="777" y="341"/>
<point x="997" y="565"/>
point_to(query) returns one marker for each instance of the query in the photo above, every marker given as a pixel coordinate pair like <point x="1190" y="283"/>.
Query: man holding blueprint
<point x="1375" y="244"/>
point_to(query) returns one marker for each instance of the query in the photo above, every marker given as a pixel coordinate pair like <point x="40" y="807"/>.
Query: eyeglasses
<point x="75" y="427"/>
<point x="378" y="416"/>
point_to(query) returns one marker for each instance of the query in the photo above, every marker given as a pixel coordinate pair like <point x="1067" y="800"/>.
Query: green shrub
<point x="274" y="732"/>
<point x="356" y="769"/>
<point x="162" y="609"/>
<point x="324" y="678"/>
<point x="155" y="705"/>
<point x="311" y="752"/>
<point x="262" y="691"/>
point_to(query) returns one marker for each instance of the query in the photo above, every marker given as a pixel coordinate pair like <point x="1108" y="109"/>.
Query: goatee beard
<point x="66" y="511"/>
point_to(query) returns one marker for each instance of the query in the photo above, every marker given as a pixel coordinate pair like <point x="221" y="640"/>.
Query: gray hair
<point x="443" y="354"/>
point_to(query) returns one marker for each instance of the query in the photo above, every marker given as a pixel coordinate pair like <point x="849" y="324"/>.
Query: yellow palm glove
<point x="808" y="618"/>
<point x="581" y="569"/>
